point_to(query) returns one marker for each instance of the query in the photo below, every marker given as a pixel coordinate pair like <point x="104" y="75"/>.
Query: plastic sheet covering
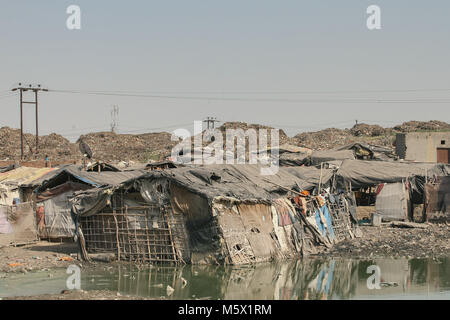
<point x="58" y="218"/>
<point x="437" y="197"/>
<point x="317" y="157"/>
<point x="89" y="202"/>
<point x="392" y="202"/>
<point x="362" y="173"/>
<point x="17" y="224"/>
<point x="245" y="181"/>
<point x="153" y="191"/>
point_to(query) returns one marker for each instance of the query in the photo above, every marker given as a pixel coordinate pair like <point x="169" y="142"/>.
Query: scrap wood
<point x="404" y="224"/>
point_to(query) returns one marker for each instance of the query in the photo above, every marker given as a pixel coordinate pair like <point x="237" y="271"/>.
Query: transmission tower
<point x="114" y="118"/>
<point x="210" y="122"/>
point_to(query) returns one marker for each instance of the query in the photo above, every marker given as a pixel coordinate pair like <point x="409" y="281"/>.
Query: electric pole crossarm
<point x="24" y="88"/>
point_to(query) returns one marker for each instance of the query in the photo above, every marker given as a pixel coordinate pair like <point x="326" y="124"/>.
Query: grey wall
<point x="422" y="146"/>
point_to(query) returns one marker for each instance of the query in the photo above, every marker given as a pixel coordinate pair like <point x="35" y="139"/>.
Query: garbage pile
<point x="362" y="133"/>
<point x="432" y="125"/>
<point x="110" y="146"/>
<point x="55" y="146"/>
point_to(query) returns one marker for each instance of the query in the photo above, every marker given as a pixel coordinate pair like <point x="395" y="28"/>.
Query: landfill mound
<point x="363" y="133"/>
<point x="332" y="137"/>
<point x="55" y="146"/>
<point x="210" y="140"/>
<point x="257" y="127"/>
<point x="433" y="125"/>
<point x="110" y="146"/>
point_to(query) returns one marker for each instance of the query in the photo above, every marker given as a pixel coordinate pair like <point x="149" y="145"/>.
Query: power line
<point x="374" y="100"/>
<point x="7" y="96"/>
<point x="264" y="92"/>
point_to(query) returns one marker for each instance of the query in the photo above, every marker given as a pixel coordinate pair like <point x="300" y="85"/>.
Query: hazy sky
<point x="217" y="48"/>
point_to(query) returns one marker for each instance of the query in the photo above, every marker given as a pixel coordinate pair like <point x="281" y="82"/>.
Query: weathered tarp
<point x="12" y="179"/>
<point x="243" y="182"/>
<point x="17" y="224"/>
<point x="362" y="173"/>
<point x="392" y="201"/>
<point x="95" y="179"/>
<point x="369" y="151"/>
<point x="317" y="157"/>
<point x="66" y="187"/>
<point x="89" y="202"/>
<point x="437" y="197"/>
<point x="289" y="159"/>
<point x="58" y="217"/>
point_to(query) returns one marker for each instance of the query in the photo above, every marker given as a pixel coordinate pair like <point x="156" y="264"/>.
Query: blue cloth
<point x="319" y="223"/>
<point x="329" y="221"/>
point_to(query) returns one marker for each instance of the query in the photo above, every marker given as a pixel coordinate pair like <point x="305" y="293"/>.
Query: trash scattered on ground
<point x="169" y="290"/>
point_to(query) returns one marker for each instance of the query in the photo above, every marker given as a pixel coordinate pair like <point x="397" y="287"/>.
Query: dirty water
<point x="303" y="279"/>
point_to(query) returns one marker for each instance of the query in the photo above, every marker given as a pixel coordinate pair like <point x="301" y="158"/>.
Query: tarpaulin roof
<point x="23" y="175"/>
<point x="375" y="152"/>
<point x="317" y="157"/>
<point x="367" y="173"/>
<point x="243" y="182"/>
<point x="95" y="179"/>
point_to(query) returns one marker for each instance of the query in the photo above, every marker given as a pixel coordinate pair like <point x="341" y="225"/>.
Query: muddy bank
<point x="385" y="241"/>
<point x="39" y="256"/>
<point x="82" y="295"/>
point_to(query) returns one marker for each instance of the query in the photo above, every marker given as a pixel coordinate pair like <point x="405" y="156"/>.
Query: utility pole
<point x="210" y="122"/>
<point x="114" y="118"/>
<point x="23" y="88"/>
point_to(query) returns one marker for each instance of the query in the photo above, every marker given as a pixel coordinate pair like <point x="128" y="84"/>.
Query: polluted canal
<point x="302" y="279"/>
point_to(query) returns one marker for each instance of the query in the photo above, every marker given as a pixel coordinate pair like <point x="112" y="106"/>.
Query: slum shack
<point x="393" y="190"/>
<point x="215" y="214"/>
<point x="12" y="180"/>
<point x="53" y="191"/>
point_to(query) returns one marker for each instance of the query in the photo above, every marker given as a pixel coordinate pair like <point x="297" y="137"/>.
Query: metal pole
<point x="21" y="125"/>
<point x="37" y="125"/>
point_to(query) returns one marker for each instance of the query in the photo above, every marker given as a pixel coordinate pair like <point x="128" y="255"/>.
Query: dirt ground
<point x="385" y="241"/>
<point x="41" y="255"/>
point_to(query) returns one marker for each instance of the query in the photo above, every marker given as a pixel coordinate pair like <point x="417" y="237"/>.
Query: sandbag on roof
<point x="369" y="173"/>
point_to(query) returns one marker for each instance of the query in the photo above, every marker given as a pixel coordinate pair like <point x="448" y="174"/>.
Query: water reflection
<point x="313" y="279"/>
